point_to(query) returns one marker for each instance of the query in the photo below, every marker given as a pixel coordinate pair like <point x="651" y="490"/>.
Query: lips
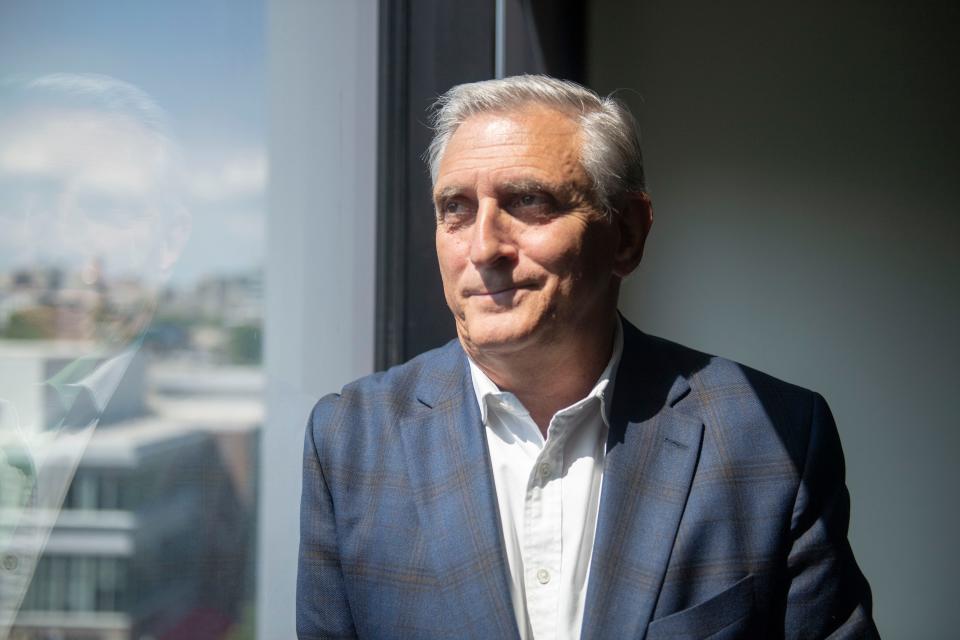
<point x="498" y="290"/>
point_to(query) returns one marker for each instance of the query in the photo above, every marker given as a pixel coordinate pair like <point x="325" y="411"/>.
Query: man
<point x="554" y="472"/>
<point x="87" y="193"/>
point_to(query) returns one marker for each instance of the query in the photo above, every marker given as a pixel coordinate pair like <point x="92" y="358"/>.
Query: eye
<point x="455" y="210"/>
<point x="453" y="206"/>
<point x="531" y="204"/>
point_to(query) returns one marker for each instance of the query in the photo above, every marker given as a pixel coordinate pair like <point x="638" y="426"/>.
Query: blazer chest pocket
<point x="725" y="616"/>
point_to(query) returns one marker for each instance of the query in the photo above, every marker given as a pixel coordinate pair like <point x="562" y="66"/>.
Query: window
<point x="133" y="175"/>
<point x="77" y="584"/>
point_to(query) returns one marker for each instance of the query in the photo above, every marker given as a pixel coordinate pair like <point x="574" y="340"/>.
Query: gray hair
<point x="84" y="90"/>
<point x="611" y="145"/>
<point x="106" y="96"/>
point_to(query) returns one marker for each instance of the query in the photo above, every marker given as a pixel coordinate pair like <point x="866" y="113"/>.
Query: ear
<point x="176" y="234"/>
<point x="634" y="220"/>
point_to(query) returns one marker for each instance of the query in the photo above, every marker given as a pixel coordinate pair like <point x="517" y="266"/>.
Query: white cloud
<point x="104" y="152"/>
<point x="114" y="154"/>
<point x="240" y="174"/>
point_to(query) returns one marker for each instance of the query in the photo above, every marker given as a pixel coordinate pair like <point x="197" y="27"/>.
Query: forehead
<point x="94" y="151"/>
<point x="536" y="143"/>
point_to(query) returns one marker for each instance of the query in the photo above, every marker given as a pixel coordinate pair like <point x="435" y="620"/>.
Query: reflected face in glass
<point x="81" y="202"/>
<point x="525" y="256"/>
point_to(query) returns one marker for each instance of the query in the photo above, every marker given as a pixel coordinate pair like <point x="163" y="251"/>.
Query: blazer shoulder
<point x="422" y="377"/>
<point x="729" y="393"/>
<point x="707" y="372"/>
<point x="364" y="407"/>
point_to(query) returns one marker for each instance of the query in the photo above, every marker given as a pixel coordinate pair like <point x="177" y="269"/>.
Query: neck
<point x="549" y="378"/>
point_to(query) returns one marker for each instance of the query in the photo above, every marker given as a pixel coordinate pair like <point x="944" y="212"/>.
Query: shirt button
<point x="543" y="576"/>
<point x="10" y="562"/>
<point x="544" y="469"/>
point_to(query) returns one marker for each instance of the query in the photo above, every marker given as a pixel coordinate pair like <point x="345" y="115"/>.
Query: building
<point x="155" y="535"/>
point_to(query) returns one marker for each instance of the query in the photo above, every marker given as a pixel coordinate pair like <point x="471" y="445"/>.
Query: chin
<point x="500" y="335"/>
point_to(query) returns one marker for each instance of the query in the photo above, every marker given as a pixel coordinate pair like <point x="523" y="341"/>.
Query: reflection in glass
<point x="127" y="450"/>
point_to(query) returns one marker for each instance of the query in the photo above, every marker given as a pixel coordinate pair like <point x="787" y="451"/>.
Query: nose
<point x="491" y="240"/>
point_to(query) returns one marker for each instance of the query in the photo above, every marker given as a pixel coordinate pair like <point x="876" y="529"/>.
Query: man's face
<point x="525" y="257"/>
<point x="78" y="193"/>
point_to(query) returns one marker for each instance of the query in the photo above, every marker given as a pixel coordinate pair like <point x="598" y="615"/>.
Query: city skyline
<point x="210" y="84"/>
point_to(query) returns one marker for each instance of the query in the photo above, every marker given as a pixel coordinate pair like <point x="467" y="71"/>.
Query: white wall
<point x="320" y="255"/>
<point x="802" y="163"/>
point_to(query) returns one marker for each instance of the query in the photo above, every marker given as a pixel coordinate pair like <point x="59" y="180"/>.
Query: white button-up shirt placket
<point x="548" y="492"/>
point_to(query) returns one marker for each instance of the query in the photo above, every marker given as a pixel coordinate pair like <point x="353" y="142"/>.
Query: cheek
<point x="598" y="252"/>
<point x="560" y="258"/>
<point x="450" y="257"/>
<point x="129" y="247"/>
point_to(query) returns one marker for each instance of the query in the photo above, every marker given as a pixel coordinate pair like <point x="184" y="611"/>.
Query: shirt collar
<point x="104" y="379"/>
<point x="485" y="389"/>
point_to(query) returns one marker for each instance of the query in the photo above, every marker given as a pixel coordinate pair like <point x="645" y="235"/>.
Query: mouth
<point x="498" y="291"/>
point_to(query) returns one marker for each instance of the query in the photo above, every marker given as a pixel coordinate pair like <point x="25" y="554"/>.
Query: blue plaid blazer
<point x="723" y="511"/>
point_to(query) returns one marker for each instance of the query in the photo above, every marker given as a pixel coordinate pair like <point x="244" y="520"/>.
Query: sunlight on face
<point x="525" y="256"/>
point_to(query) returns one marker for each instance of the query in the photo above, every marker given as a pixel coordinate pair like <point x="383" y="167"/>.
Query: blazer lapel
<point x="652" y="452"/>
<point x="449" y="470"/>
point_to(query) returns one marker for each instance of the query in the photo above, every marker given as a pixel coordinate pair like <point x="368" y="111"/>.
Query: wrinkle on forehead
<point x="537" y="141"/>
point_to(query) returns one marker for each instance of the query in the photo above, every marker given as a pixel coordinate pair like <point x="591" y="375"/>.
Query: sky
<point x="203" y="63"/>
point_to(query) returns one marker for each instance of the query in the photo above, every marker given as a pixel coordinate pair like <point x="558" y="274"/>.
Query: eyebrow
<point x="527" y="186"/>
<point x="448" y="192"/>
<point x="510" y="187"/>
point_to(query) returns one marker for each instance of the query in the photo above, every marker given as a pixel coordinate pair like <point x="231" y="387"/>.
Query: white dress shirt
<point x="52" y="455"/>
<point x="548" y="492"/>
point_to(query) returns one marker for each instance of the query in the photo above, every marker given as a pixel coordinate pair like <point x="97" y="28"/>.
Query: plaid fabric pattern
<point x="723" y="512"/>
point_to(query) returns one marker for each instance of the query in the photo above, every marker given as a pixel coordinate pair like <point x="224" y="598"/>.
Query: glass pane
<point x="132" y="179"/>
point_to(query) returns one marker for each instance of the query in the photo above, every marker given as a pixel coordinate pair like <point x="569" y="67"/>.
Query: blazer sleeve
<point x="828" y="596"/>
<point x="322" y="607"/>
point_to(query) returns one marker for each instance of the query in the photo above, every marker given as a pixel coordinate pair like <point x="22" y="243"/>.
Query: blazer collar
<point x="652" y="452"/>
<point x="448" y="464"/>
<point x="443" y="376"/>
